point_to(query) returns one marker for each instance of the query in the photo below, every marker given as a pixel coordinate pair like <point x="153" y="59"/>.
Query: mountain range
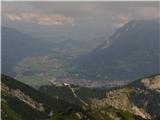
<point x="17" y="45"/>
<point x="136" y="101"/>
<point x="130" y="53"/>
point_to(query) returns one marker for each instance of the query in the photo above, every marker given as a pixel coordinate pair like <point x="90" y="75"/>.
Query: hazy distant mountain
<point x="17" y="45"/>
<point x="130" y="53"/>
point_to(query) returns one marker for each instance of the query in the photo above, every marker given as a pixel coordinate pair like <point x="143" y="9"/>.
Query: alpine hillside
<point x="130" y="53"/>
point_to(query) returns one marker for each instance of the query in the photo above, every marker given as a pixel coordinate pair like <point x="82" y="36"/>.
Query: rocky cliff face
<point x="152" y="83"/>
<point x="22" y="97"/>
<point x="141" y="98"/>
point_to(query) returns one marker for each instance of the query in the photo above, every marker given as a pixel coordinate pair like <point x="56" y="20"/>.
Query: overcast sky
<point x="76" y="20"/>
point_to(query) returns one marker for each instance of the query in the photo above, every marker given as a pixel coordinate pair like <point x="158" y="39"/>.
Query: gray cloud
<point x="95" y="11"/>
<point x="38" y="18"/>
<point x="79" y="19"/>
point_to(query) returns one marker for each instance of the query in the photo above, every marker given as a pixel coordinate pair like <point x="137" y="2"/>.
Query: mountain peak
<point x="131" y="52"/>
<point x="152" y="83"/>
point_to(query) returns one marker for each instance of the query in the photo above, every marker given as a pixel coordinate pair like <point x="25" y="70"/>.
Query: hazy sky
<point x="76" y="20"/>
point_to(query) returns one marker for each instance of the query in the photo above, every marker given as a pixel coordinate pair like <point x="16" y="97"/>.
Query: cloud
<point x="135" y="13"/>
<point x="38" y="18"/>
<point x="83" y="15"/>
<point x="13" y="17"/>
<point x="148" y="12"/>
<point x="119" y="20"/>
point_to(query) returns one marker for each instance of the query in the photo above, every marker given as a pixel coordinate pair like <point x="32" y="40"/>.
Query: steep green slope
<point x="72" y="93"/>
<point x="106" y="113"/>
<point x="25" y="102"/>
<point x="18" y="110"/>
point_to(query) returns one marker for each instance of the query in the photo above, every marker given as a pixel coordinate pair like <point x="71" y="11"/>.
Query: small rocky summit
<point x="152" y="83"/>
<point x="142" y="98"/>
